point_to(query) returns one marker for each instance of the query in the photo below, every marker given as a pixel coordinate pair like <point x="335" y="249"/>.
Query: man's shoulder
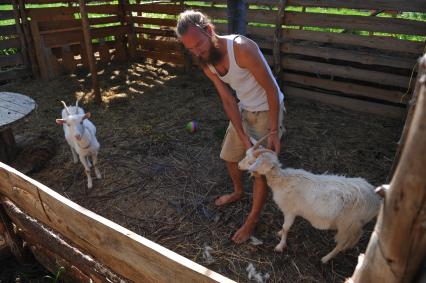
<point x="244" y="49"/>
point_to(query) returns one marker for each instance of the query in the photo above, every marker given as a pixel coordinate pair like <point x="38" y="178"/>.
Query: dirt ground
<point x="160" y="181"/>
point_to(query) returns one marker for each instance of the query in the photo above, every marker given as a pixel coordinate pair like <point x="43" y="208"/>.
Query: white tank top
<point x="251" y="94"/>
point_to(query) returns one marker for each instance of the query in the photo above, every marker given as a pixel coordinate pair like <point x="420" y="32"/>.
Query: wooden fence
<point x="59" y="231"/>
<point x="357" y="61"/>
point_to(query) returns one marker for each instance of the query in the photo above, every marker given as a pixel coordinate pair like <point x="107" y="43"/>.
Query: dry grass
<point x="160" y="181"/>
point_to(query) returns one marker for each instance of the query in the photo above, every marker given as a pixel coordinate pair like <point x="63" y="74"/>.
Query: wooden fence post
<point x="398" y="243"/>
<point x="277" y="41"/>
<point x="89" y="51"/>
<point x="411" y="107"/>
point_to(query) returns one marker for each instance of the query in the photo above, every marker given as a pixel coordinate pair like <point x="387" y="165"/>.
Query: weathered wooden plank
<point x="11" y="60"/>
<point x="47" y="14"/>
<point x="160" y="45"/>
<point x="108" y="31"/>
<point x="158" y="32"/>
<point x="170" y="9"/>
<point x="88" y="37"/>
<point x="14" y="73"/>
<point x="379" y="42"/>
<point x="348" y="103"/>
<point x="58" y="24"/>
<point x="68" y="60"/>
<point x="63" y="24"/>
<point x="39" y="45"/>
<point x="350" y="89"/>
<point x="104" y="20"/>
<point x="348" y="72"/>
<point x="60" y="39"/>
<point x="376" y="42"/>
<point x="10" y="43"/>
<point x="8" y="30"/>
<point x="365" y="23"/>
<point x="103" y="9"/>
<point x="38" y="234"/>
<point x="363" y="57"/>
<point x="126" y="253"/>
<point x="166" y="57"/>
<point x="155" y="21"/>
<point x="396" y="5"/>
<point x="48" y="1"/>
<point x="6" y="14"/>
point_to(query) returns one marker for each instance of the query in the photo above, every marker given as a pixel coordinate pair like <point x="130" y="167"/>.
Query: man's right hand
<point x="247" y="143"/>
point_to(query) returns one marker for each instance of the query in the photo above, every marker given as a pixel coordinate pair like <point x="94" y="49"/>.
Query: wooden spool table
<point x="13" y="108"/>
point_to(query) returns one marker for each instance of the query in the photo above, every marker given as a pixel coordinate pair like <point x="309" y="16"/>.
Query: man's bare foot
<point x="243" y="234"/>
<point x="228" y="198"/>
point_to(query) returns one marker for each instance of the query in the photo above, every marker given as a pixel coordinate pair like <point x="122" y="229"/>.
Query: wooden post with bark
<point x="277" y="40"/>
<point x="398" y="243"/>
<point x="408" y="119"/>
<point x="89" y="51"/>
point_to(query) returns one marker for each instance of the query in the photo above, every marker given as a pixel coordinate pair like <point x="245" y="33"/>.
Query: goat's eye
<point x="81" y="122"/>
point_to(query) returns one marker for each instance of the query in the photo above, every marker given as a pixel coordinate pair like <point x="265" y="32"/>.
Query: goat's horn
<point x="76" y="104"/>
<point x="66" y="107"/>
<point x="260" y="141"/>
<point x="258" y="152"/>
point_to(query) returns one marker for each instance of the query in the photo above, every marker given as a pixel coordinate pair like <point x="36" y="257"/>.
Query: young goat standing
<point x="80" y="134"/>
<point x="326" y="201"/>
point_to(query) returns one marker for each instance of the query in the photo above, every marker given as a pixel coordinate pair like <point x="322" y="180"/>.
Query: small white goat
<point x="326" y="201"/>
<point x="80" y="134"/>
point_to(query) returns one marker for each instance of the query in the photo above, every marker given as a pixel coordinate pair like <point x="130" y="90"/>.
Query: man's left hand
<point x="274" y="143"/>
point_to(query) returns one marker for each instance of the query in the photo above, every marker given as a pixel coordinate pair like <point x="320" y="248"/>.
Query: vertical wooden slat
<point x="277" y="40"/>
<point x="89" y="51"/>
<point x="20" y="33"/>
<point x="39" y="49"/>
<point x="28" y="40"/>
<point x="127" y="20"/>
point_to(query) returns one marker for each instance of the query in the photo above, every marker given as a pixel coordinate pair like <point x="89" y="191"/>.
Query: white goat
<point x="326" y="201"/>
<point x="80" y="134"/>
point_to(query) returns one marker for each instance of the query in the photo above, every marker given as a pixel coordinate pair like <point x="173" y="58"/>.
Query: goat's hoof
<point x="279" y="248"/>
<point x="98" y="174"/>
<point x="324" y="260"/>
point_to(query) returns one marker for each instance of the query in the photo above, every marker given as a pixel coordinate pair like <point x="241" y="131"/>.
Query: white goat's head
<point x="259" y="160"/>
<point x="74" y="122"/>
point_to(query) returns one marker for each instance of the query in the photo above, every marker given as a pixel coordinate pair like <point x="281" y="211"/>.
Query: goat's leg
<point x="288" y="221"/>
<point x="341" y="239"/>
<point x="95" y="163"/>
<point x="74" y="155"/>
<point x="83" y="160"/>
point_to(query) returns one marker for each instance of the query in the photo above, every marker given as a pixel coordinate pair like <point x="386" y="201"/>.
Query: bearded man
<point x="234" y="61"/>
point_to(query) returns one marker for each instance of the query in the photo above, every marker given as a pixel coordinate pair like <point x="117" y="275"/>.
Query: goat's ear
<point x="260" y="166"/>
<point x="60" y="121"/>
<point x="87" y="115"/>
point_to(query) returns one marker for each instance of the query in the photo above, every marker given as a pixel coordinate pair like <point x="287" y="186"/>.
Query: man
<point x="236" y="61"/>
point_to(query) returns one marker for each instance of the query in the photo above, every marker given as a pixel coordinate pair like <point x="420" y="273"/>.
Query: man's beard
<point x="214" y="55"/>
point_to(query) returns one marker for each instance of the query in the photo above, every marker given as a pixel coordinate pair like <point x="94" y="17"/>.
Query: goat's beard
<point x="214" y="54"/>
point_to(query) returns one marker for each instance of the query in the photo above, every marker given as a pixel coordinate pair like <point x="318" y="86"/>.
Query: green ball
<point x="191" y="127"/>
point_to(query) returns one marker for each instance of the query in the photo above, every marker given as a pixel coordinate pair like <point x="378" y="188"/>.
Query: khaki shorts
<point x="256" y="125"/>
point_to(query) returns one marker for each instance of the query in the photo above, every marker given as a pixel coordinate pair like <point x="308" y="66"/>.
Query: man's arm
<point x="230" y="105"/>
<point x="248" y="57"/>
